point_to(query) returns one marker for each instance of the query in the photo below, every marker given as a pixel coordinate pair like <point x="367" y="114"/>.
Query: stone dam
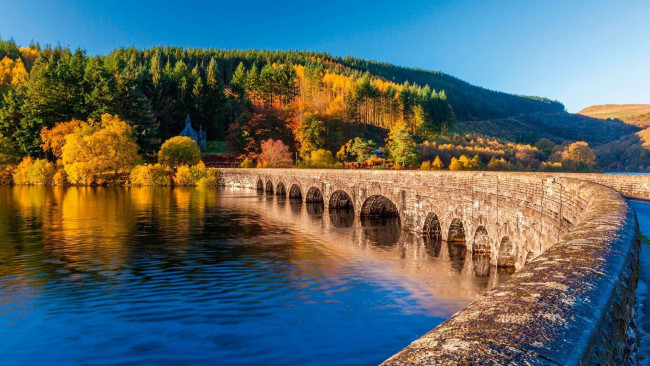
<point x="573" y="241"/>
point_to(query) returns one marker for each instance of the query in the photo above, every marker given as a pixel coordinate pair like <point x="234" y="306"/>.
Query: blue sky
<point x="580" y="53"/>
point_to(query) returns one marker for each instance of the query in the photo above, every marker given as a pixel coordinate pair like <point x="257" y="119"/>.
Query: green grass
<point x="216" y="147"/>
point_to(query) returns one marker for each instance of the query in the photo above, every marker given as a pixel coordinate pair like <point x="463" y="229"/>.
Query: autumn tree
<point x="98" y="152"/>
<point x="581" y="152"/>
<point x="179" y="150"/>
<point x="275" y="154"/>
<point x="401" y="146"/>
<point x="53" y="139"/>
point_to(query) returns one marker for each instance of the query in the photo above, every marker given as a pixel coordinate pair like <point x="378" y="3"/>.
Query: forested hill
<point x="469" y="102"/>
<point x="240" y="96"/>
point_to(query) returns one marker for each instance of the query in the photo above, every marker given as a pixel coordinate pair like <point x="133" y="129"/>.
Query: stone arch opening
<point x="260" y="185"/>
<point x="280" y="190"/>
<point x="314" y="195"/>
<point x="530" y="256"/>
<point x="341" y="201"/>
<point x="294" y="192"/>
<point x="379" y="206"/>
<point x="431" y="226"/>
<point x="269" y="187"/>
<point x="481" y="242"/>
<point x="507" y="256"/>
<point x="456" y="233"/>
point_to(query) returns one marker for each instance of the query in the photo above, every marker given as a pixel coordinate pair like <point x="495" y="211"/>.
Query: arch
<point x="530" y="256"/>
<point x="340" y="201"/>
<point x="481" y="242"/>
<point x="295" y="192"/>
<point x="280" y="190"/>
<point x="456" y="233"/>
<point x="269" y="187"/>
<point x="260" y="185"/>
<point x="379" y="206"/>
<point x="507" y="256"/>
<point x="314" y="195"/>
<point x="431" y="226"/>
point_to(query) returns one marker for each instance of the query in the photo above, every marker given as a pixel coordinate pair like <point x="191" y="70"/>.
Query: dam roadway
<point x="574" y="242"/>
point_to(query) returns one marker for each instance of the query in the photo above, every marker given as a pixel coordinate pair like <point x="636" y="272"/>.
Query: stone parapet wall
<point x="572" y="304"/>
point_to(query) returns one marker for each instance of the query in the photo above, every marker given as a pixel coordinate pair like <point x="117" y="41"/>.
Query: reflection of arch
<point x="280" y="190"/>
<point x="456" y="234"/>
<point x="433" y="244"/>
<point x="294" y="192"/>
<point x="260" y="185"/>
<point x="381" y="231"/>
<point x="341" y="201"/>
<point x="314" y="195"/>
<point x="269" y="187"/>
<point x="482" y="265"/>
<point x="341" y="219"/>
<point x="379" y="206"/>
<point x="457" y="254"/>
<point x="481" y="242"/>
<point x="507" y="255"/>
<point x="432" y="226"/>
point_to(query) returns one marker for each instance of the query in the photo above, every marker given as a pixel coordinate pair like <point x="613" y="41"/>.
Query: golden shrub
<point x="183" y="176"/>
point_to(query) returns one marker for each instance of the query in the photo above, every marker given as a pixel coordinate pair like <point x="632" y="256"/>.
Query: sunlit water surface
<point x="180" y="276"/>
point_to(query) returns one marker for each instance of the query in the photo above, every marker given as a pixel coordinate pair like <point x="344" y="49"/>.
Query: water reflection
<point x="342" y="219"/>
<point x="433" y="243"/>
<point x="133" y="275"/>
<point x="381" y="231"/>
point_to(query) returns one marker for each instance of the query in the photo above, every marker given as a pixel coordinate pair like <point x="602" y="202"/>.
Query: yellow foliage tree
<point x="99" y="152"/>
<point x="179" y="150"/>
<point x="54" y="138"/>
<point x="437" y="164"/>
<point x="455" y="164"/>
<point x="12" y="73"/>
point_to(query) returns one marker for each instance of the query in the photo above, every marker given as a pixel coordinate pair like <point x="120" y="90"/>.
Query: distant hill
<point x="634" y="114"/>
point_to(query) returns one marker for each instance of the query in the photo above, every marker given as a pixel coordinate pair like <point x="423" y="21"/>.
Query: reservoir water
<point x="142" y="276"/>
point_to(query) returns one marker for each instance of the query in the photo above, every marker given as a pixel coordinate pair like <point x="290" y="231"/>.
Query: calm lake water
<point x="185" y="276"/>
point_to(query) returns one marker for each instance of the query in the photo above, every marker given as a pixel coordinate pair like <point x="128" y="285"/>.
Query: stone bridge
<point x="575" y="245"/>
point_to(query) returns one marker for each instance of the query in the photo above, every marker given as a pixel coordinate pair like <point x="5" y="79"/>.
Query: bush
<point x="247" y="163"/>
<point x="179" y="150"/>
<point x="6" y="174"/>
<point x="183" y="176"/>
<point x="207" y="182"/>
<point x="21" y="174"/>
<point x="39" y="171"/>
<point x="151" y="175"/>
